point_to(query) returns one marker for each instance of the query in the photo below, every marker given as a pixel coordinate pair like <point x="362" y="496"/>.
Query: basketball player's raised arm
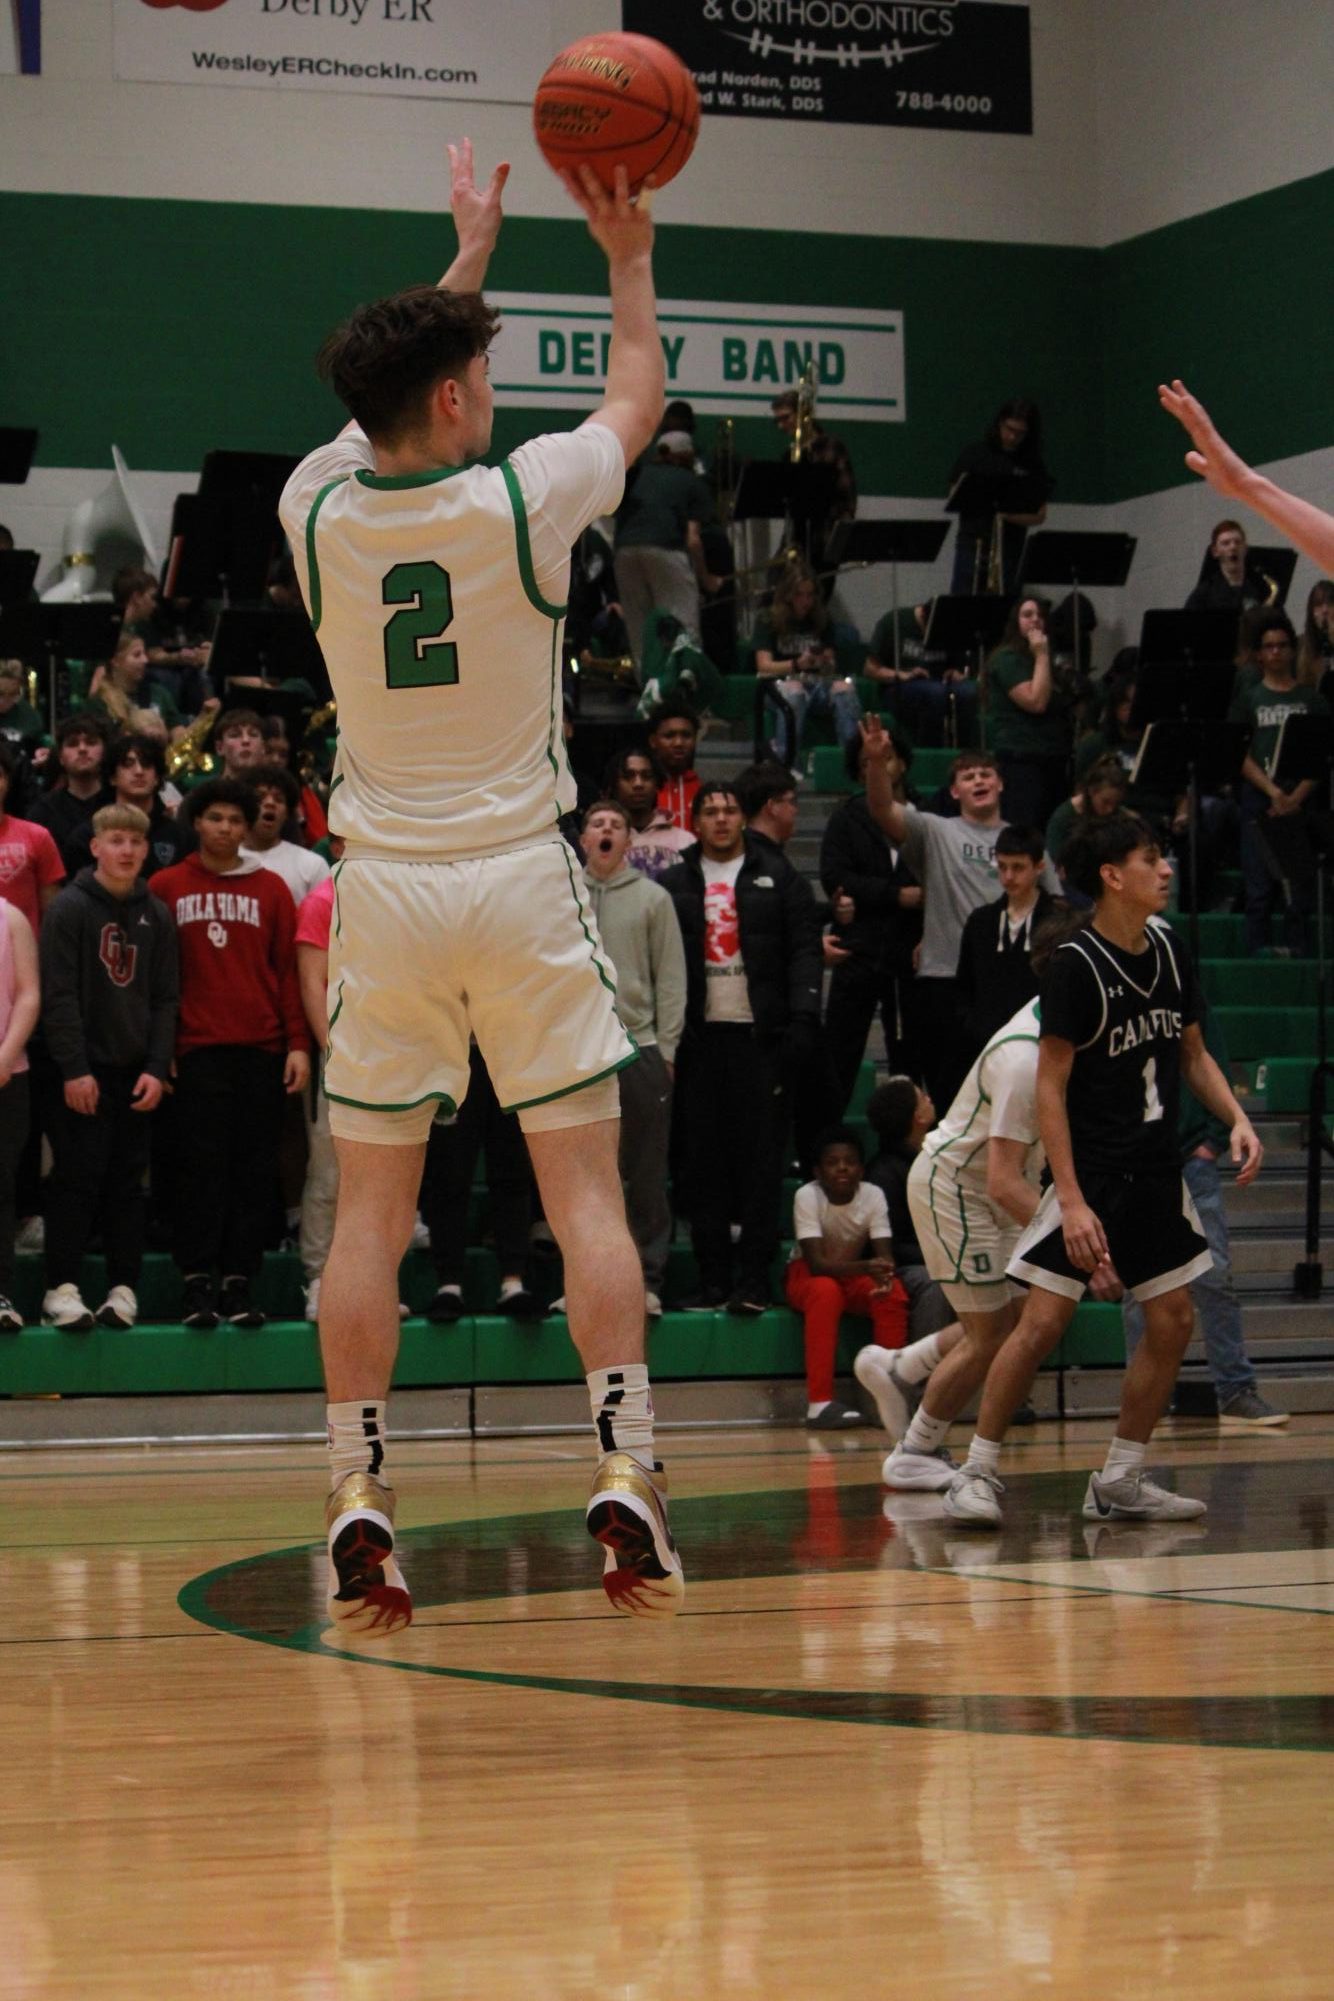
<point x="632" y="402"/>
<point x="477" y="218"/>
<point x="1228" y="473"/>
<point x="1085" y="1243"/>
<point x="1201" y="1073"/>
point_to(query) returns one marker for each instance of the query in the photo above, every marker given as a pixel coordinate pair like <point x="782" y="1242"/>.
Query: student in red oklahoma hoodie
<point x="241" y="1042"/>
<point x="673" y="733"/>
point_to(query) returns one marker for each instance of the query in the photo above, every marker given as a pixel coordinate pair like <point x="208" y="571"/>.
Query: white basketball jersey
<point x="997" y="1100"/>
<point x="439" y="602"/>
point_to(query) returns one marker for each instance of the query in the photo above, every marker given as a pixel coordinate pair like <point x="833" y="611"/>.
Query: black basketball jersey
<point x="1125" y="1013"/>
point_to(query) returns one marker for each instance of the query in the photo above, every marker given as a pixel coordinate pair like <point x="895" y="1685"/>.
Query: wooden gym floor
<point x="875" y="1756"/>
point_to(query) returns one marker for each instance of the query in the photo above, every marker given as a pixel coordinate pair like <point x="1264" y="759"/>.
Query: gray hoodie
<point x="638" y="923"/>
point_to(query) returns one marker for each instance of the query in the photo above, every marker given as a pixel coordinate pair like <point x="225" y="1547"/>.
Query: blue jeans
<point x="1217" y="1303"/>
<point x="811" y="696"/>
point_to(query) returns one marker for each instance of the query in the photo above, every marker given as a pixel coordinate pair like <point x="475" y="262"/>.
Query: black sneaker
<point x="237" y="1305"/>
<point x="11" y="1320"/>
<point x="446" y="1307"/>
<point x="1025" y="1414"/>
<point x="198" y="1307"/>
<point x="708" y="1299"/>
<point x="748" y="1304"/>
<point x="520" y="1305"/>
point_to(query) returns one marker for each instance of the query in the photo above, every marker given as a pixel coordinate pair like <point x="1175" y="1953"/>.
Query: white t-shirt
<point x="997" y="1100"/>
<point x="726" y="994"/>
<point x="439" y="600"/>
<point x="846" y="1229"/>
<point x="299" y="868"/>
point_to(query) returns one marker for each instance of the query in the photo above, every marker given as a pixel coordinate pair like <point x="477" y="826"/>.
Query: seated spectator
<point x="138" y="767"/>
<point x="239" y="742"/>
<point x="120" y="688"/>
<point x="900" y="1114"/>
<point x="633" y="780"/>
<point x="752" y="1014"/>
<point x="659" y="556"/>
<point x="20" y="725"/>
<point x="876" y="902"/>
<point x="242" y="1043"/>
<point x="1102" y="790"/>
<point x="844" y="1264"/>
<point x="641" y="937"/>
<point x="1228" y="580"/>
<point x="20" y="1005"/>
<point x="176" y="661"/>
<point x="1275" y="849"/>
<point x="673" y="734"/>
<point x="794" y="648"/>
<point x="278" y="797"/>
<point x="456" y="1139"/>
<point x="1029" y="714"/>
<point x="995" y="976"/>
<point x="312" y="822"/>
<point x="79" y="785"/>
<point x="319" y="1194"/>
<point x="924" y="687"/>
<point x="31" y="869"/>
<point x="109" y="1000"/>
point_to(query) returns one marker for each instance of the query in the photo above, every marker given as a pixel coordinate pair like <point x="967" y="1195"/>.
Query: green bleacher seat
<point x="1259" y="1034"/>
<point x="1259" y="982"/>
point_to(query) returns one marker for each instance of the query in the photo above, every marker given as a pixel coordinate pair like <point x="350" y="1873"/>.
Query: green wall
<point x="172" y="327"/>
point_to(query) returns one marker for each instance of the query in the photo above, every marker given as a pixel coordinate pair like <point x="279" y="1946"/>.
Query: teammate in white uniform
<point x="438" y="593"/>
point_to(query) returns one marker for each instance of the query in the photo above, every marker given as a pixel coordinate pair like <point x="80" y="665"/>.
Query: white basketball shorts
<point x="423" y="954"/>
<point x="966" y="1241"/>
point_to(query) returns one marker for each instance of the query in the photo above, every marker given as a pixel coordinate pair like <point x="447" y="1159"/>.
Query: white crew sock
<point x="622" y="1406"/>
<point x="984" y="1454"/>
<point x="509" y="1286"/>
<point x="1124" y="1456"/>
<point x="356" y="1439"/>
<point x="915" y="1363"/>
<point x="926" y="1434"/>
<point x="814" y="1409"/>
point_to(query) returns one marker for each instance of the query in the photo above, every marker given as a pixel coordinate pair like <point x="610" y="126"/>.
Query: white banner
<point x="489" y="50"/>
<point x="727" y="360"/>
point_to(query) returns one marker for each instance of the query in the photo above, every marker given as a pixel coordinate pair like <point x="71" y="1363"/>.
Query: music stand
<point x="256" y="476"/>
<point x="18" y="447"/>
<point x="84" y="631"/>
<point x="221" y="546"/>
<point x="997" y="489"/>
<point x="1060" y="556"/>
<point x="1278" y="564"/>
<point x="276" y="645"/>
<point x="1190" y="638"/>
<point x="862" y="544"/>
<point x="967" y="628"/>
<point x="18" y="567"/>
<point x="778" y="489"/>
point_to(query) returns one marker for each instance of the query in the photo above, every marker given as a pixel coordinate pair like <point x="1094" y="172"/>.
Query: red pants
<point x="822" y="1302"/>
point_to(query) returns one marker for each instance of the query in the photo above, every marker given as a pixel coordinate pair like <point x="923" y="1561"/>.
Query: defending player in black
<point x="1120" y="1013"/>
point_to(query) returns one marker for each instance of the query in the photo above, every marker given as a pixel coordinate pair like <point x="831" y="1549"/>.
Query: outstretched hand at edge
<point x="477" y="218"/>
<point x="1213" y="458"/>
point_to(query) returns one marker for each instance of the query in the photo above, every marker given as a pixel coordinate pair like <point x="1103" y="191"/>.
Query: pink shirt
<point x="29" y="860"/>
<point x="314" y="917"/>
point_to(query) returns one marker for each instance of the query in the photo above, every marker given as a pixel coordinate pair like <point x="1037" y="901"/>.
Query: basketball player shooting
<point x="438" y="590"/>
<point x="1214" y="460"/>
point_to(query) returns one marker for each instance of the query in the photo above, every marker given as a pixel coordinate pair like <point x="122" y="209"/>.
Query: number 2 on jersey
<point x="413" y="656"/>
<point x="1153" y="1104"/>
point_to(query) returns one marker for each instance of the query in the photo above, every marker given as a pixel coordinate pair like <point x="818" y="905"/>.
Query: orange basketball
<point x="617" y="100"/>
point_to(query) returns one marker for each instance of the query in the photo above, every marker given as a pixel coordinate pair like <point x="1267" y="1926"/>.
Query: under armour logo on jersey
<point x="1116" y="993"/>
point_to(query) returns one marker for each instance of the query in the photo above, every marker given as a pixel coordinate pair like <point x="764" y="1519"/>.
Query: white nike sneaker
<point x="120" y="1308"/>
<point x="63" y="1306"/>
<point x="918" y="1470"/>
<point x="973" y="1497"/>
<point x="873" y="1366"/>
<point x="1135" y="1498"/>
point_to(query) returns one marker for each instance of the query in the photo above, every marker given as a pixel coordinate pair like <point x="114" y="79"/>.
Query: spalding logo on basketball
<point x="617" y="100"/>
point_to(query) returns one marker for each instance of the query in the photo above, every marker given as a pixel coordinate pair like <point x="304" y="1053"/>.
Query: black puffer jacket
<point x="856" y="857"/>
<point x="780" y="937"/>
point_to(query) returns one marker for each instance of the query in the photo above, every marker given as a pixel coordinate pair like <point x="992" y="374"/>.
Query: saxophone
<point x="189" y="755"/>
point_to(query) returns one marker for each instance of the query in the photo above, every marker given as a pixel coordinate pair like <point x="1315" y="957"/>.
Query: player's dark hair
<point x="1020" y="841"/>
<point x="760" y="783"/>
<point x="146" y="748"/>
<point x="83" y="722"/>
<point x="970" y="760"/>
<point x="840" y="1136"/>
<point x="712" y="790"/>
<point x="891" y="1109"/>
<point x="221" y="792"/>
<point x="277" y="778"/>
<point x="384" y="360"/>
<point x="1096" y="844"/>
<point x="1059" y="925"/>
<point x="668" y="711"/>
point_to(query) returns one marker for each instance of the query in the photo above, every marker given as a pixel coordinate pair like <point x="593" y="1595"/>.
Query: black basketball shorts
<point x="1152" y="1228"/>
